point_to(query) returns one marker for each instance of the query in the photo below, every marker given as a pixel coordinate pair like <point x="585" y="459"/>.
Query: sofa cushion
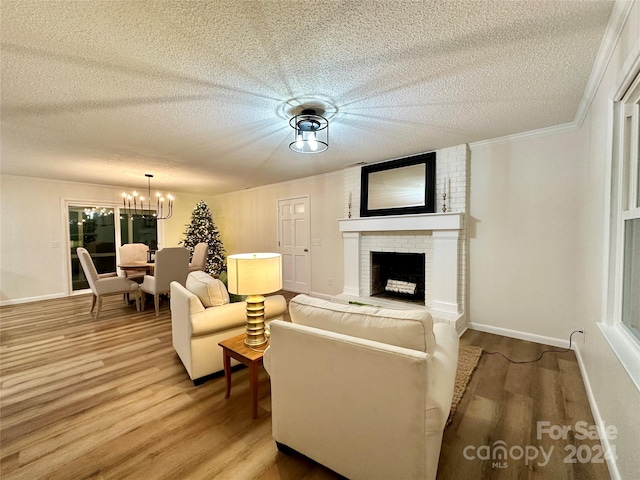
<point x="403" y="328"/>
<point x="210" y="291"/>
<point x="233" y="298"/>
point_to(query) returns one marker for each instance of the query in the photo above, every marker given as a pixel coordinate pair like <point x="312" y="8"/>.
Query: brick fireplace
<point x="440" y="237"/>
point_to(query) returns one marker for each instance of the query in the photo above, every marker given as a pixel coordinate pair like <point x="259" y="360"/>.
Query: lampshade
<point x="311" y="132"/>
<point x="254" y="273"/>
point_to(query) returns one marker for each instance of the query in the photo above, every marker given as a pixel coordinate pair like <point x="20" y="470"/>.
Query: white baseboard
<point x="597" y="417"/>
<point x="32" y="299"/>
<point x="530" y="337"/>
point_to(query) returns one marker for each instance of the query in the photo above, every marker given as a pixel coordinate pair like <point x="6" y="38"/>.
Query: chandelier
<point x="163" y="210"/>
<point x="311" y="132"/>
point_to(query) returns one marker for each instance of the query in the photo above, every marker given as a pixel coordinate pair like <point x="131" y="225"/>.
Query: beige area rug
<point x="468" y="359"/>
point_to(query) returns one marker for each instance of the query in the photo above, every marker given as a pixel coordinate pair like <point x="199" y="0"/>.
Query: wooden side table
<point x="235" y="348"/>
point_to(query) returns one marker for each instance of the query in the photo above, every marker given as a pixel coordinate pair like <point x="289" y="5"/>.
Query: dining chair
<point x="105" y="284"/>
<point x="199" y="259"/>
<point x="133" y="252"/>
<point x="171" y="265"/>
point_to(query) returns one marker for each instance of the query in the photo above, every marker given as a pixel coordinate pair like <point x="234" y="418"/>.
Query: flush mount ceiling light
<point x="311" y="132"/>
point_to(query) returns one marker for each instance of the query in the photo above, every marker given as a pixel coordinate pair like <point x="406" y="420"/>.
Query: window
<point x="630" y="211"/>
<point x="141" y="228"/>
<point x="95" y="229"/>
<point x="622" y="325"/>
<point x="631" y="277"/>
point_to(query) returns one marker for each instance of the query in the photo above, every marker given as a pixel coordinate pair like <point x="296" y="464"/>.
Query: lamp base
<point x="255" y="321"/>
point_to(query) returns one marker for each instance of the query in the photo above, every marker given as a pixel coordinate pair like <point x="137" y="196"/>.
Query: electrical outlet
<point x="330" y="281"/>
<point x="582" y="333"/>
<point x="55" y="244"/>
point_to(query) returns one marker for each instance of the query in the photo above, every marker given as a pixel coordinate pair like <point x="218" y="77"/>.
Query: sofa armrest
<point x="445" y="362"/>
<point x="230" y="315"/>
<point x="190" y="317"/>
<point x="183" y="302"/>
<point x="216" y="319"/>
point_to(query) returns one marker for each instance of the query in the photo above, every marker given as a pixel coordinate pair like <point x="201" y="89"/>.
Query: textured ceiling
<point x="199" y="93"/>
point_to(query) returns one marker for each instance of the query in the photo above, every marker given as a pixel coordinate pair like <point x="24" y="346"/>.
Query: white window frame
<point x="624" y="204"/>
<point x="65" y="203"/>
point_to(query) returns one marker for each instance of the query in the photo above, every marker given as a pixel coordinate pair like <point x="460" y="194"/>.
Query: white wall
<point x="537" y="247"/>
<point x="32" y="216"/>
<point x="248" y="223"/>
<point x="617" y="398"/>
<point x="525" y="201"/>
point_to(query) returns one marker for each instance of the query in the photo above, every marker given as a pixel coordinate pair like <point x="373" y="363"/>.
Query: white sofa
<point x="197" y="327"/>
<point x="363" y="391"/>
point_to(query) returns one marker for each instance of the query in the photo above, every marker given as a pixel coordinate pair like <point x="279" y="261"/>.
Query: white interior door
<point x="294" y="234"/>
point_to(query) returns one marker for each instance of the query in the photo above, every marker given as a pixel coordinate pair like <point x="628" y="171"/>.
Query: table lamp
<point x="254" y="274"/>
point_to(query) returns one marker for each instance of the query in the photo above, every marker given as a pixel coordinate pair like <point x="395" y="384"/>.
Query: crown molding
<point x="541" y="132"/>
<point x="617" y="21"/>
<point x="630" y="70"/>
<point x="281" y="184"/>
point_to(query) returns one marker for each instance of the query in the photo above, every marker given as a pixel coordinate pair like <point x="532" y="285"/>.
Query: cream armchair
<point x="363" y="391"/>
<point x="199" y="259"/>
<point x="105" y="284"/>
<point x="133" y="252"/>
<point x="197" y="327"/>
<point x="171" y="264"/>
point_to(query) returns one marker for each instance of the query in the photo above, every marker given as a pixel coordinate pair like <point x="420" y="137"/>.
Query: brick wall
<point x="395" y="242"/>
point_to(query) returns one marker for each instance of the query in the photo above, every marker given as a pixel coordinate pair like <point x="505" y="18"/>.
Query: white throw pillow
<point x="211" y="291"/>
<point x="403" y="328"/>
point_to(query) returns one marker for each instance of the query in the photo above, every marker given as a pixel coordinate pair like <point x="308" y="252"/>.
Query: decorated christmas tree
<point x="202" y="229"/>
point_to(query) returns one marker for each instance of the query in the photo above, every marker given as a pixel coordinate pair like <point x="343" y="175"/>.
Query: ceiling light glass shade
<point x="311" y="132"/>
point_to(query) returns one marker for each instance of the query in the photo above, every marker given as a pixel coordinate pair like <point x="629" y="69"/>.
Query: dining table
<point x="136" y="266"/>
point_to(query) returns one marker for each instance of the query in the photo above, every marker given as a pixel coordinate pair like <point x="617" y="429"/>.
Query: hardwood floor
<point x="107" y="399"/>
<point x="503" y="404"/>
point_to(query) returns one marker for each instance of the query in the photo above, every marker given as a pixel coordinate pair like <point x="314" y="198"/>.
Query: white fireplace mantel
<point x="426" y="221"/>
<point x="445" y="230"/>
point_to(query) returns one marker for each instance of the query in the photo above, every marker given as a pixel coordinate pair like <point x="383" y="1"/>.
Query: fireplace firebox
<point x="399" y="276"/>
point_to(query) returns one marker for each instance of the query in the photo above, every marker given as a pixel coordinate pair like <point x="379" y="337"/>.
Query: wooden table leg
<point x="253" y="371"/>
<point x="227" y="372"/>
<point x="236" y="348"/>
